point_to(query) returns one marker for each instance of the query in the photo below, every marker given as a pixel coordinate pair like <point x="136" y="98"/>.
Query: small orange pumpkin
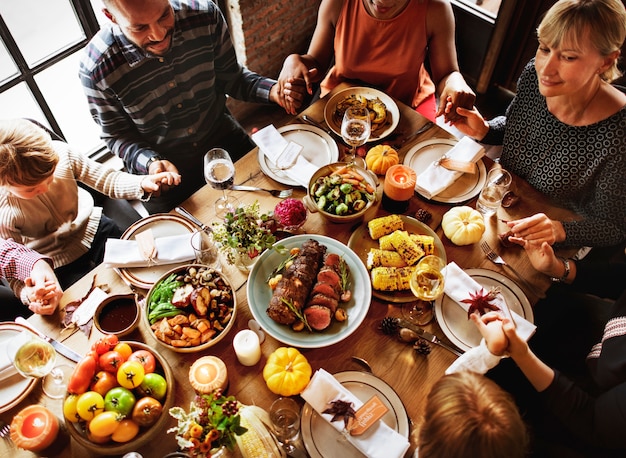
<point x="380" y="157"/>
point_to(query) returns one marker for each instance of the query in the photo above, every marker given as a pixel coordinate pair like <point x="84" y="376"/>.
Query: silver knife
<point x="58" y="346"/>
<point x="182" y="211"/>
<point x="427" y="335"/>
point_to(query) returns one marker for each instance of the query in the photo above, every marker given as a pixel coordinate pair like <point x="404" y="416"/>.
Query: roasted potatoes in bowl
<point x="190" y="308"/>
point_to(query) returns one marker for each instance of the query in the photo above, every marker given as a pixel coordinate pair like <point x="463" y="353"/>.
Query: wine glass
<point x="219" y="172"/>
<point x="426" y="284"/>
<point x="355" y="130"/>
<point x="33" y="357"/>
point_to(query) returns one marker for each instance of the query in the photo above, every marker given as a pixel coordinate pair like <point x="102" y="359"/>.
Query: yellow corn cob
<point x="406" y="248"/>
<point x="425" y="242"/>
<point x="257" y="442"/>
<point x="384" y="243"/>
<point x="383" y="258"/>
<point x="384" y="225"/>
<point x="391" y="278"/>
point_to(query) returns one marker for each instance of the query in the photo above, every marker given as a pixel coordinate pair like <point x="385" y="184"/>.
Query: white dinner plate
<point x="15" y="388"/>
<point x="453" y="319"/>
<point x="322" y="440"/>
<point x="259" y="295"/>
<point x="369" y="93"/>
<point x="318" y="148"/>
<point x="162" y="225"/>
<point x="420" y="156"/>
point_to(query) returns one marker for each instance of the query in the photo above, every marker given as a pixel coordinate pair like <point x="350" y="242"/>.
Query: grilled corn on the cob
<point x="384" y="225"/>
<point x="406" y="248"/>
<point x="384" y="258"/>
<point x="391" y="278"/>
<point x="425" y="242"/>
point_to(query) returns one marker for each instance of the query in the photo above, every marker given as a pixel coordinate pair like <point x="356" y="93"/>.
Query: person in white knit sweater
<point x="42" y="206"/>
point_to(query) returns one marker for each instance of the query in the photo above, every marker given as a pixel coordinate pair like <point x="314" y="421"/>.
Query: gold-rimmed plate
<point x="452" y="318"/>
<point x="323" y="440"/>
<point x="377" y="134"/>
<point x="420" y="156"/>
<point x="15" y="387"/>
<point x="361" y="242"/>
<point x="162" y="225"/>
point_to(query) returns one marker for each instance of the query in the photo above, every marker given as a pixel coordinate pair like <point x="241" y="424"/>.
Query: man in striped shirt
<point x="156" y="80"/>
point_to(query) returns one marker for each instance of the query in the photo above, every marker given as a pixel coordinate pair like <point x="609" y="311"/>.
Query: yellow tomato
<point x="69" y="408"/>
<point x="130" y="374"/>
<point x="105" y="423"/>
<point x="123" y="349"/>
<point x="89" y="405"/>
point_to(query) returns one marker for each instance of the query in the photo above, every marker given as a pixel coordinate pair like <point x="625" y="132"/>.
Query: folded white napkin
<point x="284" y="155"/>
<point x="437" y="178"/>
<point x="379" y="441"/>
<point x="170" y="249"/>
<point x="458" y="285"/>
<point x="7" y="369"/>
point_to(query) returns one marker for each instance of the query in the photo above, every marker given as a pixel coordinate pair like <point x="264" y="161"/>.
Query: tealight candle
<point x="398" y="188"/>
<point x="34" y="428"/>
<point x="247" y="347"/>
<point x="208" y="374"/>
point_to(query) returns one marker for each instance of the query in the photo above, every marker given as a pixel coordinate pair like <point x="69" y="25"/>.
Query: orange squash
<point x="287" y="372"/>
<point x="380" y="157"/>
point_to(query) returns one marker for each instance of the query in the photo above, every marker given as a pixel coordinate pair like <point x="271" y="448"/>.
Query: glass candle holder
<point x="398" y="188"/>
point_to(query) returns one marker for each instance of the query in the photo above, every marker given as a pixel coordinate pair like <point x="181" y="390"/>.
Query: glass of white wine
<point x="33" y="357"/>
<point x="219" y="172"/>
<point x="427" y="285"/>
<point x="355" y="130"/>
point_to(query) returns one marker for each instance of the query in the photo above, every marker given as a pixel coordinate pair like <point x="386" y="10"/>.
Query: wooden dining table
<point x="409" y="373"/>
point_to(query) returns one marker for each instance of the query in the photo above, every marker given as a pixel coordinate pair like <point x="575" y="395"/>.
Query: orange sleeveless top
<point x="385" y="54"/>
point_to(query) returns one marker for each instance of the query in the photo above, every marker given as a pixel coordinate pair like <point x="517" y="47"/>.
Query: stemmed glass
<point x="33" y="357"/>
<point x="219" y="172"/>
<point x="426" y="284"/>
<point x="355" y="130"/>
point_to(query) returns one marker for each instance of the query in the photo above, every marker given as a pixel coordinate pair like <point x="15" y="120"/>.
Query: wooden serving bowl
<point x="202" y="346"/>
<point x="145" y="434"/>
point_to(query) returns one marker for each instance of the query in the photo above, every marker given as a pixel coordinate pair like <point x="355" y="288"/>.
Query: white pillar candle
<point x="247" y="347"/>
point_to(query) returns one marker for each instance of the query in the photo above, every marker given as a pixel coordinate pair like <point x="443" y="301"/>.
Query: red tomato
<point x="103" y="382"/>
<point x="111" y="361"/>
<point x="104" y="344"/>
<point x="83" y="374"/>
<point x="146" y="359"/>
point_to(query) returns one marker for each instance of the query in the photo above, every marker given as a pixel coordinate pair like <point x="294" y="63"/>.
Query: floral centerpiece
<point x="212" y="423"/>
<point x="244" y="234"/>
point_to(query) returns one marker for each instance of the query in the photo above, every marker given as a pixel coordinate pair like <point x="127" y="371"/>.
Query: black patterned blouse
<point x="580" y="168"/>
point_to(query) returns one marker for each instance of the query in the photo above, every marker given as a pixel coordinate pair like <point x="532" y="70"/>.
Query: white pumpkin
<point x="463" y="225"/>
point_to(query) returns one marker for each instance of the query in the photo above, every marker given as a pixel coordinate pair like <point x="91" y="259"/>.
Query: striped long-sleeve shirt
<point x="166" y="105"/>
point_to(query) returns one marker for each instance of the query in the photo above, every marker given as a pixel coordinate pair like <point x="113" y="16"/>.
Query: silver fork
<point x="497" y="259"/>
<point x="280" y="193"/>
<point x="5" y="432"/>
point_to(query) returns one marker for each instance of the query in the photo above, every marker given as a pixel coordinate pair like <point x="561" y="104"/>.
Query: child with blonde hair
<point x="42" y="206"/>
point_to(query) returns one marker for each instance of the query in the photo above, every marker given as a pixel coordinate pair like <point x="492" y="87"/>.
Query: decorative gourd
<point x="463" y="225"/>
<point x="287" y="372"/>
<point x="380" y="157"/>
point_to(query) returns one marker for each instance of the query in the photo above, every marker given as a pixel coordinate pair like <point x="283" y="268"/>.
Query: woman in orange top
<point x="383" y="44"/>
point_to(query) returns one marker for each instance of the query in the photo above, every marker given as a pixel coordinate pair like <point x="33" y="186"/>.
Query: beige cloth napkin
<point x="170" y="249"/>
<point x="379" y="441"/>
<point x="436" y="178"/>
<point x="284" y="155"/>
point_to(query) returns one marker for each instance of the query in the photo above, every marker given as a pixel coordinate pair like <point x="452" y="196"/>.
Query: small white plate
<point x="420" y="156"/>
<point x="162" y="225"/>
<point x="369" y="93"/>
<point x="16" y="387"/>
<point x="322" y="440"/>
<point x="317" y="147"/>
<point x="453" y="319"/>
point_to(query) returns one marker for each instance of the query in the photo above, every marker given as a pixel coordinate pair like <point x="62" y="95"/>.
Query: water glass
<point x="204" y="249"/>
<point x="285" y="417"/>
<point x="496" y="186"/>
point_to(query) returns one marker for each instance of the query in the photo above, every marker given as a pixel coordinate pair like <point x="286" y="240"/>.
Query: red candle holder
<point x="398" y="188"/>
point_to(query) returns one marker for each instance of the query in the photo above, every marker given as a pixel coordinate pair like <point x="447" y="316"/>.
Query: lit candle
<point x="208" y="374"/>
<point x="34" y="428"/>
<point x="247" y="347"/>
<point x="398" y="187"/>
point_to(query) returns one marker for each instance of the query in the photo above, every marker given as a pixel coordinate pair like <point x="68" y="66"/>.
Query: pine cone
<point x="423" y="215"/>
<point x="389" y="326"/>
<point x="422" y="347"/>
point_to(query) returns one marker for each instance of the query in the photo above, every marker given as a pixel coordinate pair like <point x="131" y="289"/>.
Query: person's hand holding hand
<point x="42" y="289"/>
<point x="163" y="184"/>
<point x="470" y="122"/>
<point x="537" y="228"/>
<point x="457" y="94"/>
<point x="490" y="327"/>
<point x="295" y="81"/>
